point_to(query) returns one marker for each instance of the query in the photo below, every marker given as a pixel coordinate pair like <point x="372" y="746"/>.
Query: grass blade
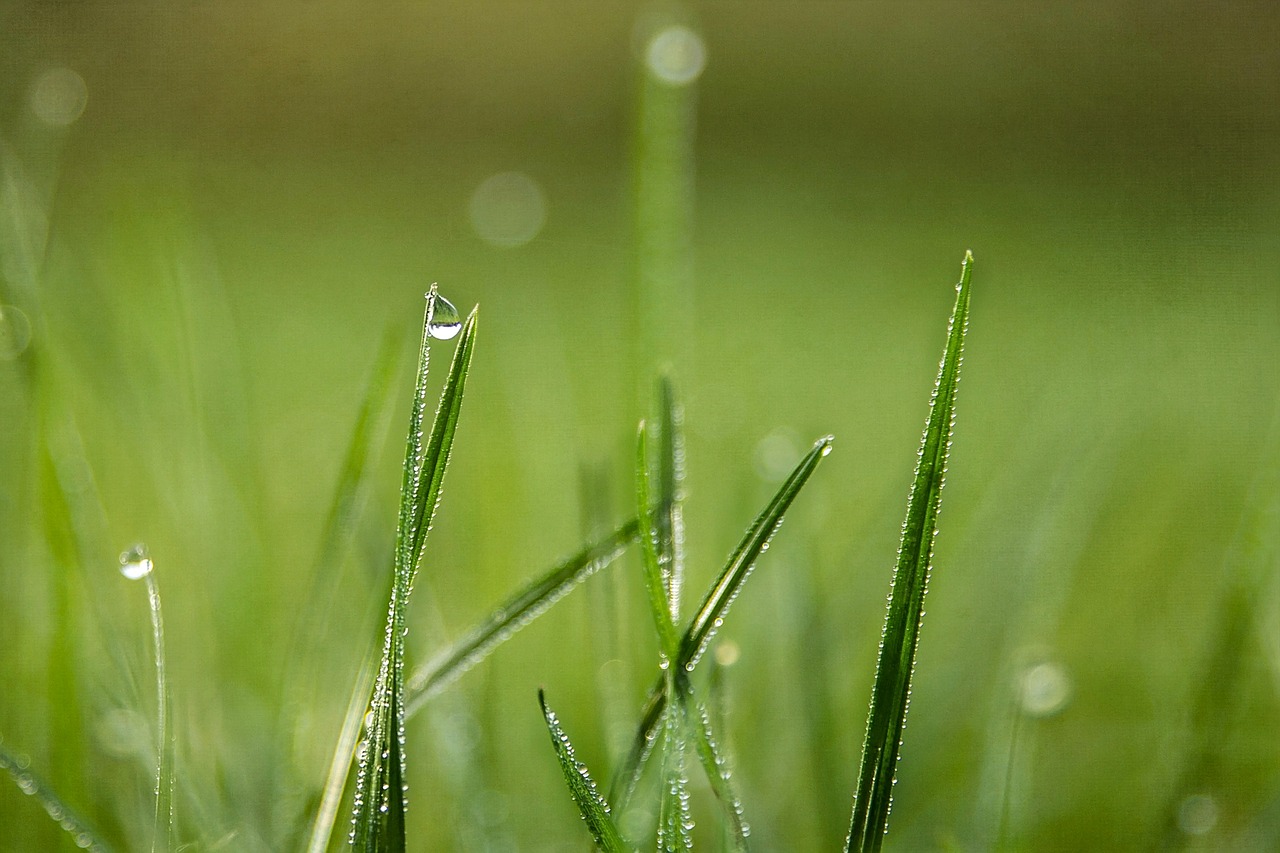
<point x="340" y="766"/>
<point x="715" y="764"/>
<point x="377" y="822"/>
<point x="712" y="613"/>
<point x="29" y="783"/>
<point x="655" y="583"/>
<point x="674" y="821"/>
<point x="594" y="809"/>
<point x="756" y="541"/>
<point x="135" y="564"/>
<point x="518" y="611"/>
<point x="892" y="690"/>
<point x="668" y="516"/>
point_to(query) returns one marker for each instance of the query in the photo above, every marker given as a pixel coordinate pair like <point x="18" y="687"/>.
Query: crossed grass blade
<point x="377" y="822"/>
<point x="891" y="693"/>
<point x="711" y="614"/>
<point x="595" y="811"/>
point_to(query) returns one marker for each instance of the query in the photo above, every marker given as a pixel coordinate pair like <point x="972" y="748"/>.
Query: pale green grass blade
<point x="595" y="811"/>
<point x="712" y="613"/>
<point x="715" y="764"/>
<point x="668" y="515"/>
<point x="378" y="809"/>
<point x="343" y="752"/>
<point x="892" y="691"/>
<point x="509" y="617"/>
<point x="675" y="824"/>
<point x="136" y="564"/>
<point x="654" y="582"/>
<point x="84" y="836"/>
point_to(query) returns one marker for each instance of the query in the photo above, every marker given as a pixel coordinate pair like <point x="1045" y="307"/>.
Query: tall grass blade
<point x="84" y="836"/>
<point x="891" y="693"/>
<point x="340" y="765"/>
<point x="135" y="564"/>
<point x="594" y="809"/>
<point x="377" y="822"/>
<point x="711" y="614"/>
<point x="512" y="615"/>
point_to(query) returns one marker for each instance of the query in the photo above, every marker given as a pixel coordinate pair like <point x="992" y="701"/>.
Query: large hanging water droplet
<point x="135" y="563"/>
<point x="445" y="320"/>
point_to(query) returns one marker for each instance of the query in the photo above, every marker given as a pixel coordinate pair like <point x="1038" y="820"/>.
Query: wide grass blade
<point x="892" y="691"/>
<point x="712" y="612"/>
<point x="84" y="836"/>
<point x="509" y="617"/>
<point x="377" y="822"/>
<point x="594" y="809"/>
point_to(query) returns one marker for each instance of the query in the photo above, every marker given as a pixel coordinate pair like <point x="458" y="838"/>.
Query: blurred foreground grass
<point x="247" y="201"/>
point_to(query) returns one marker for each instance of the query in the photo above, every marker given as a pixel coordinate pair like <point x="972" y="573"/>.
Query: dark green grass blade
<point x="712" y="613"/>
<point x="654" y="582"/>
<point x="594" y="809"/>
<point x="378" y="811"/>
<point x="518" y="611"/>
<point x="720" y="597"/>
<point x="892" y="691"/>
<point x="32" y="785"/>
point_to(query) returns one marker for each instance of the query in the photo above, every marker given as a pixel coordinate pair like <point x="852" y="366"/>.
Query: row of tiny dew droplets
<point x="442" y="322"/>
<point x="32" y="787"/>
<point x="945" y="451"/>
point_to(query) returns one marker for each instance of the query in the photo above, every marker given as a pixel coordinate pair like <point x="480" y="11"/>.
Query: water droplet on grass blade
<point x="135" y="563"/>
<point x="445" y="320"/>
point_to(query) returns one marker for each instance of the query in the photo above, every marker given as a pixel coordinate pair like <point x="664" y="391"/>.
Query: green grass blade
<point x="668" y="516"/>
<point x="654" y="582"/>
<point x="340" y="766"/>
<point x="378" y="811"/>
<point x="712" y="613"/>
<point x="892" y="691"/>
<point x="29" y="783"/>
<point x="594" y="809"/>
<point x="675" y="824"/>
<point x="756" y="541"/>
<point x="136" y="564"/>
<point x="518" y="611"/>
<point x="715" y="764"/>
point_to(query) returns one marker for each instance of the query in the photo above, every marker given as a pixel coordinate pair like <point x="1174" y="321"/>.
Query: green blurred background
<point x="212" y="212"/>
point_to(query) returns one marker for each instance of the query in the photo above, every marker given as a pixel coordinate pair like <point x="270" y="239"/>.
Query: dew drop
<point x="15" y="332"/>
<point x="445" y="320"/>
<point x="135" y="563"/>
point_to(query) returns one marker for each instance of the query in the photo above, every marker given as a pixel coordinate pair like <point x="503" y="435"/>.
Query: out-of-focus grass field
<point x="211" y="252"/>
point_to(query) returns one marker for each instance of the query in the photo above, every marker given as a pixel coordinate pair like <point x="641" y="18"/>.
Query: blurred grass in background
<point x="211" y="221"/>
